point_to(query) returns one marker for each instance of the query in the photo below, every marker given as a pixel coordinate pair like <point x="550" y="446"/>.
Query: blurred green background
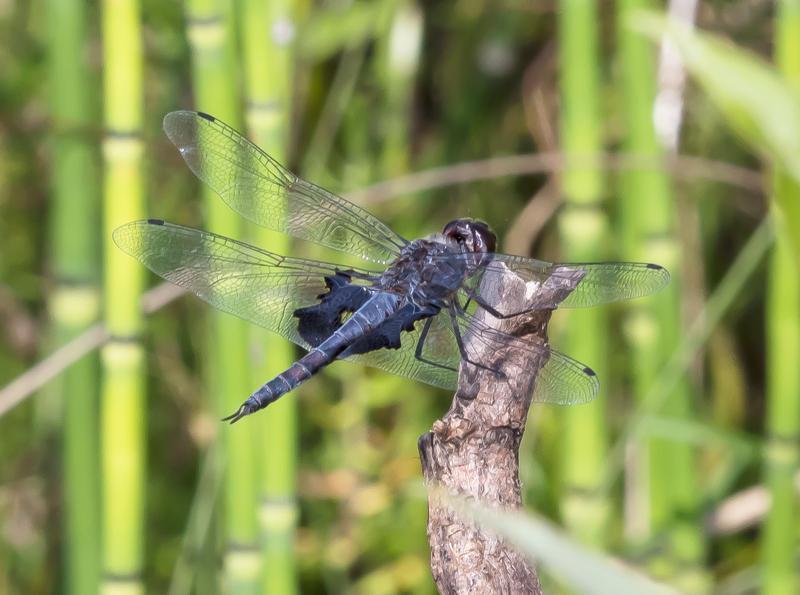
<point x="572" y="127"/>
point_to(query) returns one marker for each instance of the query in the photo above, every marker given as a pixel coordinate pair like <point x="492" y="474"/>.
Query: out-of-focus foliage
<point x="559" y="554"/>
<point x="756" y="101"/>
<point x="759" y="104"/>
<point x="382" y="89"/>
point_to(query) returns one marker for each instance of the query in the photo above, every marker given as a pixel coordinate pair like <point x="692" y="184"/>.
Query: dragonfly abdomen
<point x="366" y="319"/>
<point x="286" y="381"/>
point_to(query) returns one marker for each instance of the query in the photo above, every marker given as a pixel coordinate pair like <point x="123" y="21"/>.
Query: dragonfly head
<point x="471" y="235"/>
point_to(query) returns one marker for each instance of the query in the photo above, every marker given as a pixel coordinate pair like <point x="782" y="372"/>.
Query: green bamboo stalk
<point x="719" y="303"/>
<point x="779" y="540"/>
<point x="782" y="455"/>
<point x="75" y="302"/>
<point x="267" y="32"/>
<point x="215" y="78"/>
<point x="583" y="227"/>
<point x="123" y="385"/>
<point x="396" y="69"/>
<point x="665" y="478"/>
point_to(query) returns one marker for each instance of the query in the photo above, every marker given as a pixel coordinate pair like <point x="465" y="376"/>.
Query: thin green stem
<point x="782" y="456"/>
<point x="717" y="305"/>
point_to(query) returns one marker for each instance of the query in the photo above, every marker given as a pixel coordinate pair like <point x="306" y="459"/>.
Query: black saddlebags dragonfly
<point x="412" y="314"/>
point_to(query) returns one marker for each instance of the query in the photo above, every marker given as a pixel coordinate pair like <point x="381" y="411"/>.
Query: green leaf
<point x="574" y="565"/>
<point x="757" y="102"/>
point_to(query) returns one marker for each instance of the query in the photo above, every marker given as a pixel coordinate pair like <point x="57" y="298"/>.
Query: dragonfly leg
<point x="421" y="343"/>
<point x="493" y="311"/>
<point x="359" y="275"/>
<point x="460" y="342"/>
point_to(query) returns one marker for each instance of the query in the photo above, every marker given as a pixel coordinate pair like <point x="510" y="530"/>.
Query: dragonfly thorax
<point x="425" y="273"/>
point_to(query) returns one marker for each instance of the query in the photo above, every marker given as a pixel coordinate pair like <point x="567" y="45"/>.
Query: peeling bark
<point x="473" y="451"/>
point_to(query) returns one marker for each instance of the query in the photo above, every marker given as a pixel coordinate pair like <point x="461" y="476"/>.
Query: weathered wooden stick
<point x="473" y="451"/>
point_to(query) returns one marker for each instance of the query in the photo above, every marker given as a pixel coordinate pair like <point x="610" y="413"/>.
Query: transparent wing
<point x="561" y="380"/>
<point x="601" y="282"/>
<point x="266" y="289"/>
<point x="235" y="277"/>
<point x="262" y="190"/>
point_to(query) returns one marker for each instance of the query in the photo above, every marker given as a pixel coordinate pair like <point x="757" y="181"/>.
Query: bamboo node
<point x="75" y="306"/>
<point x="640" y="327"/>
<point x="583" y="226"/>
<point x="782" y="451"/>
<point x="243" y="563"/>
<point x="204" y="34"/>
<point x="278" y="515"/>
<point x="122" y="148"/>
<point x="283" y="31"/>
<point x="121" y="355"/>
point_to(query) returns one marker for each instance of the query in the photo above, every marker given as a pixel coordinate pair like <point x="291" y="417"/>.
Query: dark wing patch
<point x="318" y="322"/>
<point x="254" y="284"/>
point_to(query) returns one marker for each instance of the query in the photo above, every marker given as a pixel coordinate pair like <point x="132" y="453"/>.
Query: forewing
<point x="255" y="185"/>
<point x="235" y="277"/>
<point x="601" y="282"/>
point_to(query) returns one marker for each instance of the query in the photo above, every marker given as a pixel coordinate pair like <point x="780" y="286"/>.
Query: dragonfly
<point x="416" y="308"/>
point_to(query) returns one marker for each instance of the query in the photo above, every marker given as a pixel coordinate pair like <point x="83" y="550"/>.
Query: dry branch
<point x="473" y="451"/>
